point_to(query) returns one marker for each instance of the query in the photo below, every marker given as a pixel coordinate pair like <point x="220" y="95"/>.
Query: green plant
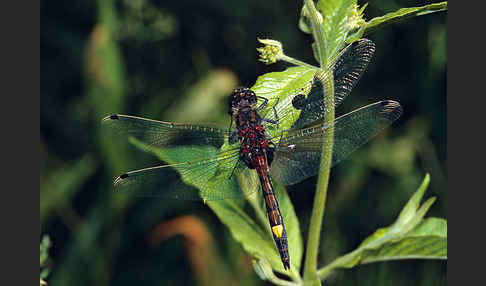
<point x="332" y="24"/>
<point x="44" y="255"/>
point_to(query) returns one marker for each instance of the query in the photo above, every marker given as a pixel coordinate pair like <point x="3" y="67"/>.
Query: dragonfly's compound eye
<point x="233" y="100"/>
<point x="241" y="96"/>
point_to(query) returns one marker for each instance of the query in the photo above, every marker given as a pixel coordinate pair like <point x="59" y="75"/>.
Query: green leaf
<point x="427" y="241"/>
<point x="262" y="268"/>
<point x="395" y="17"/>
<point x="411" y="215"/>
<point x="256" y="238"/>
<point x="213" y="183"/>
<point x="304" y="24"/>
<point x="44" y="247"/>
<point x="264" y="271"/>
<point x="334" y="16"/>
<point x="44" y="255"/>
<point x="246" y="230"/>
<point x="283" y="86"/>
<point x="335" y="23"/>
<point x="409" y="237"/>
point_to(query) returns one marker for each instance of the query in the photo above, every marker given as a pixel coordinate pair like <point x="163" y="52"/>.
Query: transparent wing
<point x="166" y="134"/>
<point x="210" y="179"/>
<point x="348" y="67"/>
<point x="298" y="154"/>
<point x="207" y="178"/>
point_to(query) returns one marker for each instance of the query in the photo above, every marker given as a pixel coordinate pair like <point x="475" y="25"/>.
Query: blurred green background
<point x="178" y="61"/>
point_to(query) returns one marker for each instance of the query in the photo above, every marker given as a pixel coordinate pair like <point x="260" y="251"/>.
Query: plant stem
<point x="312" y="249"/>
<point x="338" y="263"/>
<point x="296" y="62"/>
<point x="317" y="32"/>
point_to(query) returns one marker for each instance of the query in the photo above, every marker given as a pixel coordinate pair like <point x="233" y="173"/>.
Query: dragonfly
<point x="209" y="159"/>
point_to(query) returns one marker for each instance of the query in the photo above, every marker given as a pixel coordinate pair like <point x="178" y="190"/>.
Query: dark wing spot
<point x="114" y="117"/>
<point x="391" y="110"/>
<point x="298" y="101"/>
<point x="123" y="176"/>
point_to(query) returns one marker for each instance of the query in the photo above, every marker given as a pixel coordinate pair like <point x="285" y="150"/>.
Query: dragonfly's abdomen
<point x="274" y="215"/>
<point x="257" y="153"/>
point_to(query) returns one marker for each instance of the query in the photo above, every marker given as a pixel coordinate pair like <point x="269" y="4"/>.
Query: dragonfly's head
<point x="240" y="98"/>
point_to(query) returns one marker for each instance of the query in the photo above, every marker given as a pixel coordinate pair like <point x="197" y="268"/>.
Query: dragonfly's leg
<point x="232" y="137"/>
<point x="276" y="121"/>
<point x="275" y="111"/>
<point x="232" y="172"/>
<point x="264" y="103"/>
<point x="229" y="129"/>
<point x="270" y="121"/>
<point x="281" y="136"/>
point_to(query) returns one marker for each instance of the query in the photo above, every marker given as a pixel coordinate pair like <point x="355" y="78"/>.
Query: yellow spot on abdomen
<point x="277" y="230"/>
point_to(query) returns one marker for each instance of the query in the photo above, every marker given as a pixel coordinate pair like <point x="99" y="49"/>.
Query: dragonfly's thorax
<point x="254" y="144"/>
